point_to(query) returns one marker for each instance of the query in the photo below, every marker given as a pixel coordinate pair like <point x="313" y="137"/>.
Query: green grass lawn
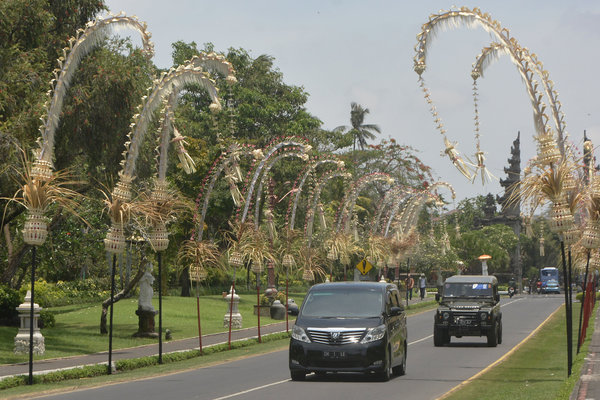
<point x="537" y="370"/>
<point x="77" y="329"/>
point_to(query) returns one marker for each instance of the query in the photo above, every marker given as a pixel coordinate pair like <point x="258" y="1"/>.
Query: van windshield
<point x="343" y="303"/>
<point x="467" y="290"/>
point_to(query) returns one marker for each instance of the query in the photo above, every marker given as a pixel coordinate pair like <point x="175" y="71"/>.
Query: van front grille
<point x="335" y="335"/>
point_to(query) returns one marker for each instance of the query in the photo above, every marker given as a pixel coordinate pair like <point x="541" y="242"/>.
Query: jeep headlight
<point x="374" y="334"/>
<point x="483" y="315"/>
<point x="446" y="315"/>
<point x="299" y="334"/>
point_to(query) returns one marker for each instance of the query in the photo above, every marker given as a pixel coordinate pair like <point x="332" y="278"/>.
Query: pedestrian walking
<point x="422" y="285"/>
<point x="410" y="284"/>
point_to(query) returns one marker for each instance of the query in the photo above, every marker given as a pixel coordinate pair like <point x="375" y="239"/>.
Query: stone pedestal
<point x="232" y="309"/>
<point x="22" y="338"/>
<point x="271" y="291"/>
<point x="145" y="323"/>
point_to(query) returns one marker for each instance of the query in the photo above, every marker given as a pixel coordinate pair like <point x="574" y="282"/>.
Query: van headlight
<point x="374" y="334"/>
<point x="299" y="334"/>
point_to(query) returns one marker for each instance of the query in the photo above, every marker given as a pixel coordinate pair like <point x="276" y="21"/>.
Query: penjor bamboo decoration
<point x="527" y="64"/>
<point x="79" y="46"/>
<point x="347" y="209"/>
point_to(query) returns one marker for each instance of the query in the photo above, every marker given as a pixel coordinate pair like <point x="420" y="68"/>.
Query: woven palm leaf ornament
<point x="296" y="143"/>
<point x="347" y="210"/>
<point x="83" y="43"/>
<point x="398" y="211"/>
<point x="527" y="66"/>
<point x="169" y="83"/>
<point x="315" y="195"/>
<point x="530" y="64"/>
<point x="208" y="62"/>
<point x="285" y="152"/>
<point x="309" y="171"/>
<point x="481" y="62"/>
<point x="228" y="162"/>
<point x="163" y="88"/>
<point x="42" y="182"/>
<point x="391" y="197"/>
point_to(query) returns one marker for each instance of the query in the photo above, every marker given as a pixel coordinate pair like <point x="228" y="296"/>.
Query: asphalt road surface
<point x="431" y="371"/>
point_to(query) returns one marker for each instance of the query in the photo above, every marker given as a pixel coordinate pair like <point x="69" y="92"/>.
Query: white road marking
<point x="420" y="340"/>
<point x="251" y="390"/>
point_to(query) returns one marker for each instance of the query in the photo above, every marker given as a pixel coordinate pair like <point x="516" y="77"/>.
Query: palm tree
<point x="360" y="132"/>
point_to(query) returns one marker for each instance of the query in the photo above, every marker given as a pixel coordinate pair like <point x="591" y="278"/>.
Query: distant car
<point x="469" y="306"/>
<point x="349" y="327"/>
<point x="551" y="286"/>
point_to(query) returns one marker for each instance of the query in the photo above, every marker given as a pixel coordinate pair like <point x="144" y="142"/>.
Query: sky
<point x="343" y="51"/>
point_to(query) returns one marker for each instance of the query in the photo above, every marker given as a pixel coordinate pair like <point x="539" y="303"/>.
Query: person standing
<point x="410" y="284"/>
<point x="422" y="285"/>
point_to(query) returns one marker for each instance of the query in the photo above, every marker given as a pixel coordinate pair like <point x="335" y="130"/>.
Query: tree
<point x="358" y="130"/>
<point x="495" y="240"/>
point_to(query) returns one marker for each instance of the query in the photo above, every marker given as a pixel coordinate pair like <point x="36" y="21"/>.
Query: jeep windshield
<point x="467" y="290"/>
<point x="343" y="303"/>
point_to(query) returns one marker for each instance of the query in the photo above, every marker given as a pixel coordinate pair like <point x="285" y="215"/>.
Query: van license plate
<point x="334" y="354"/>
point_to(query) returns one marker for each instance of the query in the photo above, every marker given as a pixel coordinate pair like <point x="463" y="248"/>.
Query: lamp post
<point x="483" y="258"/>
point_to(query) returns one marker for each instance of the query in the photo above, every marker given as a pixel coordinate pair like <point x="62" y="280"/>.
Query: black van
<point x="349" y="327"/>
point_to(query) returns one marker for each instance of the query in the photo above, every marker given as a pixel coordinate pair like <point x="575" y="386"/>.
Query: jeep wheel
<point x="500" y="333"/>
<point x="298" y="375"/>
<point x="439" y="336"/>
<point x="447" y="337"/>
<point x="400" y="370"/>
<point x="492" y="336"/>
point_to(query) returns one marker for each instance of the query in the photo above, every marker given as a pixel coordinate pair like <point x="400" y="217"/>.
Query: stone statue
<point x="146" y="292"/>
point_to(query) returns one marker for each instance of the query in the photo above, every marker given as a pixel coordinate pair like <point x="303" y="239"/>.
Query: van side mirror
<point x="437" y="297"/>
<point x="396" y="311"/>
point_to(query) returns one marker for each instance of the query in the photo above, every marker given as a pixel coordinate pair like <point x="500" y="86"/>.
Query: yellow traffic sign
<point x="364" y="266"/>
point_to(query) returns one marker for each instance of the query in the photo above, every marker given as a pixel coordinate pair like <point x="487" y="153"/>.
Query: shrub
<point x="47" y="319"/>
<point x="9" y="301"/>
<point x="63" y="293"/>
<point x="268" y="301"/>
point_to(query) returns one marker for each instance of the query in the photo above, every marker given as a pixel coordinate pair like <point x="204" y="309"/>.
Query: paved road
<point x="432" y="371"/>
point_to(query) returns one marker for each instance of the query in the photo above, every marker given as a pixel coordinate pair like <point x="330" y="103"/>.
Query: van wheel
<point x="492" y="336"/>
<point x="298" y="375"/>
<point x="439" y="336"/>
<point x="386" y="372"/>
<point x="401" y="369"/>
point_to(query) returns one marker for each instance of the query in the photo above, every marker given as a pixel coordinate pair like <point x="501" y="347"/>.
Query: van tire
<point x="386" y="373"/>
<point x="400" y="370"/>
<point x="298" y="375"/>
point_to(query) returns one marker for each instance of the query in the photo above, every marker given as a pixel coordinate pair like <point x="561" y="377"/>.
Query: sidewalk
<point x="53" y="364"/>
<point x="588" y="386"/>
